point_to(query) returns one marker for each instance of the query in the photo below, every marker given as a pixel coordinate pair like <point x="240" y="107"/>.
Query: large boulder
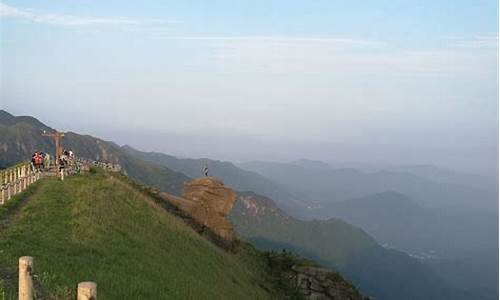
<point x="210" y="203"/>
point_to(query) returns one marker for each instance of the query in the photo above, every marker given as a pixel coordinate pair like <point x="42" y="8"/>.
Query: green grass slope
<point x="98" y="227"/>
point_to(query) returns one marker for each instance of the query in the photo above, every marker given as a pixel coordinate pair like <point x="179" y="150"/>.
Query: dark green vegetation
<point x="377" y="271"/>
<point x="98" y="227"/>
<point x="258" y="218"/>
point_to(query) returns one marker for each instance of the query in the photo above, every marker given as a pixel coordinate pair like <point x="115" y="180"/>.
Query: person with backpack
<point x="37" y="159"/>
<point x="62" y="165"/>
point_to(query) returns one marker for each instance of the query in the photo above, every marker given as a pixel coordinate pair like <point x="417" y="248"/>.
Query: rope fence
<point x="86" y="290"/>
<point x="18" y="178"/>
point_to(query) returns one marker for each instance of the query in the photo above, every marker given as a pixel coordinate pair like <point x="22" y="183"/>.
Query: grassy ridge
<point x="96" y="227"/>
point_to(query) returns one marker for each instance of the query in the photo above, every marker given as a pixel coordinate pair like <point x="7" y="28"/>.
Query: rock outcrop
<point x="308" y="280"/>
<point x="317" y="283"/>
<point x="213" y="202"/>
<point x="208" y="202"/>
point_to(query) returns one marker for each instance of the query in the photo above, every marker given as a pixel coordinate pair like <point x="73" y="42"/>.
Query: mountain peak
<point x="8" y="119"/>
<point x="5" y="116"/>
<point x="310" y="163"/>
<point x="128" y="148"/>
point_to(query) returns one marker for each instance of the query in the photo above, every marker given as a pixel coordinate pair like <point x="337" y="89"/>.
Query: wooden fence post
<point x="87" y="290"/>
<point x="18" y="186"/>
<point x="9" y="193"/>
<point x="6" y="185"/>
<point x="25" y="177"/>
<point x="30" y="176"/>
<point x="14" y="181"/>
<point x="18" y="181"/>
<point x="2" y="188"/>
<point x="20" y="189"/>
<point x="25" y="280"/>
<point x="12" y="185"/>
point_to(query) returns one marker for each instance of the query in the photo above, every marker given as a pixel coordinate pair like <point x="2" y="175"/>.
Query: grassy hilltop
<point x="98" y="227"/>
<point x="105" y="228"/>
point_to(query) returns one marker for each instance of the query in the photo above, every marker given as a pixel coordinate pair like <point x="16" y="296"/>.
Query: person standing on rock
<point x="205" y="170"/>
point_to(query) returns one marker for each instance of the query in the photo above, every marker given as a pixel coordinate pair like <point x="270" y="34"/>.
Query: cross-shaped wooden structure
<point x="57" y="140"/>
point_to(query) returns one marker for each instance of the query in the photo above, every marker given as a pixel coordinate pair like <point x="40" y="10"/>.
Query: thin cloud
<point x="280" y="39"/>
<point x="477" y="42"/>
<point x="7" y="11"/>
<point x="333" y="55"/>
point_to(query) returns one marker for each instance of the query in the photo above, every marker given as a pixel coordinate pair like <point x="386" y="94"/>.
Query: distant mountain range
<point x="397" y="220"/>
<point x="322" y="184"/>
<point x="301" y="189"/>
<point x="445" y="218"/>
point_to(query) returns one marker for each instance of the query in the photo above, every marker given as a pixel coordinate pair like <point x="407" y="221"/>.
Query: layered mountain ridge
<point x="333" y="242"/>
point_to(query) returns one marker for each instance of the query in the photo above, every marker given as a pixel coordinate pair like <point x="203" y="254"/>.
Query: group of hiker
<point x="40" y="161"/>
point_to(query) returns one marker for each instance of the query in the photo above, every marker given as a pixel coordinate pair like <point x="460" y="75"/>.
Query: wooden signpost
<point x="57" y="140"/>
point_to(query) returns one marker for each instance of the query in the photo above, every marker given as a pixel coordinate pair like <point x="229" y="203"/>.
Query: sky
<point x="381" y="82"/>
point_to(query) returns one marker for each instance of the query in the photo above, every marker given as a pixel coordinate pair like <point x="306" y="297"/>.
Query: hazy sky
<point x="370" y="81"/>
